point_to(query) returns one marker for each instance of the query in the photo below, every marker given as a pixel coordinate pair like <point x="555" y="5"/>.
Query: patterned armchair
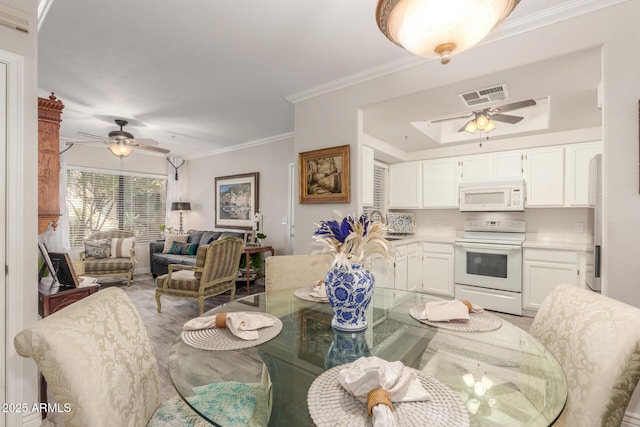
<point x="597" y="342"/>
<point x="110" y="253"/>
<point x="98" y="362"/>
<point x="215" y="272"/>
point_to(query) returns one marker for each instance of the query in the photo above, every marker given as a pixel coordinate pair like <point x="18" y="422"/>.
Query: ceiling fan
<point x="485" y="119"/>
<point x="121" y="143"/>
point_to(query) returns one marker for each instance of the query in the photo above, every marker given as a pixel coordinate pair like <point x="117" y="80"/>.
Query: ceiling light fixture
<point x="436" y="28"/>
<point x="120" y="149"/>
<point x="480" y="122"/>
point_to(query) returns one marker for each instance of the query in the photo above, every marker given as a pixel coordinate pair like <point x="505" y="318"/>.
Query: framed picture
<point x="65" y="271"/>
<point x="236" y="200"/>
<point x="324" y="175"/>
<point x="46" y="263"/>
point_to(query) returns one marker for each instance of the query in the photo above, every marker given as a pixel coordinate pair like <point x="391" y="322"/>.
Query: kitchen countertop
<point x="557" y="244"/>
<point x="418" y="238"/>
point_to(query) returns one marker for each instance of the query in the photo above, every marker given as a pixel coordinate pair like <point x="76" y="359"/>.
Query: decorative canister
<point x="349" y="291"/>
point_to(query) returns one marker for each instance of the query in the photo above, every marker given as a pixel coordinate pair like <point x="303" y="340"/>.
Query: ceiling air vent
<point x="485" y="96"/>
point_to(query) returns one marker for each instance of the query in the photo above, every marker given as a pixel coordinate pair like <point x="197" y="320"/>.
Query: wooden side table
<point x="248" y="251"/>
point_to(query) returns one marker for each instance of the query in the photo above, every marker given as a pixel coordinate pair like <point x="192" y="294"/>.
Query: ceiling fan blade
<point x="507" y="118"/>
<point x="152" y="148"/>
<point x="90" y="135"/>
<point x="513" y="106"/>
<point x="145" y="141"/>
<point x="465" y="126"/>
<point x="466" y="116"/>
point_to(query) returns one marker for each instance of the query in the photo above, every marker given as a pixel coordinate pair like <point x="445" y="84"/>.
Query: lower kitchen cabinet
<point x="544" y="269"/>
<point x="438" y="269"/>
<point x="407" y="270"/>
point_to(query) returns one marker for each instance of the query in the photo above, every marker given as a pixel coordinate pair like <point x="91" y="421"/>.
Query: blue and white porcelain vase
<point x="349" y="292"/>
<point x="346" y="347"/>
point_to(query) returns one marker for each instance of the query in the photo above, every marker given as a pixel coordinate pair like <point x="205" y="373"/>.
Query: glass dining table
<point x="503" y="377"/>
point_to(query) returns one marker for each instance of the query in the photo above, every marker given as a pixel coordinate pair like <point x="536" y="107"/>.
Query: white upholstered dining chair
<point x="98" y="361"/>
<point x="597" y="342"/>
<point x="295" y="271"/>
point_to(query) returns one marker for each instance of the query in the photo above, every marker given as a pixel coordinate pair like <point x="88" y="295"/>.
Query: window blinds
<point x="99" y="200"/>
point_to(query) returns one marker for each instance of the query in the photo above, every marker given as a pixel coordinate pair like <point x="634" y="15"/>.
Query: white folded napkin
<point x="445" y="311"/>
<point x="241" y="324"/>
<point x="319" y="292"/>
<point x="370" y="373"/>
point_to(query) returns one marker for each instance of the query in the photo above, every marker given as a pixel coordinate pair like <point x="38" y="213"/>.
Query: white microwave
<point x="492" y="196"/>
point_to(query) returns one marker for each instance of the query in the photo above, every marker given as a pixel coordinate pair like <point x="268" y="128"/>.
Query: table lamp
<point x="180" y="206"/>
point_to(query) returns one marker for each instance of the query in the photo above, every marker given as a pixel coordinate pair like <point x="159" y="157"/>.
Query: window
<point x="104" y="200"/>
<point x="379" y="189"/>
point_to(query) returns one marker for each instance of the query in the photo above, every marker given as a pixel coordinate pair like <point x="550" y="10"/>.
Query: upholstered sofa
<point x="161" y="255"/>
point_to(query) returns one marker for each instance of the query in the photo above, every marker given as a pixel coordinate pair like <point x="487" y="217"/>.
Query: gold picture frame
<point x="323" y="175"/>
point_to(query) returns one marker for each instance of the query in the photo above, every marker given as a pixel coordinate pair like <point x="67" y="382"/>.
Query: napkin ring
<point x="378" y="396"/>
<point x="221" y="320"/>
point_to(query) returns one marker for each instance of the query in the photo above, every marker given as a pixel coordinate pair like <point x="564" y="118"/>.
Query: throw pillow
<point x="183" y="248"/>
<point x="97" y="249"/>
<point x="121" y="248"/>
<point x="180" y="238"/>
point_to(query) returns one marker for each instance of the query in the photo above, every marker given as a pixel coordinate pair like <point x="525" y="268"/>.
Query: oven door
<point x="493" y="266"/>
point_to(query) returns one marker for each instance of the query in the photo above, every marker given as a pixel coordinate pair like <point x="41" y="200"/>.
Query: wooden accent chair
<point x="98" y="362"/>
<point x="111" y="265"/>
<point x="215" y="272"/>
<point x="295" y="271"/>
<point x="597" y="342"/>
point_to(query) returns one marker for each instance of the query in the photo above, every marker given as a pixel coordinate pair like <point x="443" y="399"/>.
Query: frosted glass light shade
<point x="120" y="150"/>
<point x="437" y="28"/>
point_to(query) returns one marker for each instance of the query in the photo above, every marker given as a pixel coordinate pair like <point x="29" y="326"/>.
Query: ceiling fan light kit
<point x="436" y="28"/>
<point x="120" y="149"/>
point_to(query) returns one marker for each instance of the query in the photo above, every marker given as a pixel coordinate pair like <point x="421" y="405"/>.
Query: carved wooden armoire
<point x="49" y="112"/>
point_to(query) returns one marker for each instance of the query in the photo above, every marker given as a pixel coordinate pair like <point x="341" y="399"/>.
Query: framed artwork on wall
<point x="324" y="175"/>
<point x="236" y="200"/>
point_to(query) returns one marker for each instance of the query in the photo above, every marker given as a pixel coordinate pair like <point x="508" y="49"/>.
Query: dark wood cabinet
<point x="49" y="112"/>
<point x="49" y="302"/>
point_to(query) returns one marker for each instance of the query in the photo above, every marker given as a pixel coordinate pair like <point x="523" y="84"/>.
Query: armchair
<point x="98" y="362"/>
<point x="116" y="264"/>
<point x="215" y="272"/>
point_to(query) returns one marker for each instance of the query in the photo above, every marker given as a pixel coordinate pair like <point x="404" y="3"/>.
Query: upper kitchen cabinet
<point x="578" y="157"/>
<point x="500" y="165"/>
<point x="405" y="185"/>
<point x="544" y="176"/>
<point x="440" y="180"/>
<point x="367" y="175"/>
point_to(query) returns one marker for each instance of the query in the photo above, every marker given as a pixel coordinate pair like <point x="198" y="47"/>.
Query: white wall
<point x="270" y="161"/>
<point x="19" y="376"/>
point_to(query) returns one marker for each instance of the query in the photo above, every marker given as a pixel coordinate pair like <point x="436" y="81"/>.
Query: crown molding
<point x="509" y="28"/>
<point x="249" y="144"/>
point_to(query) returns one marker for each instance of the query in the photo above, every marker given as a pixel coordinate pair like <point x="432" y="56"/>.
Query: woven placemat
<point x="223" y="339"/>
<point x="478" y="322"/>
<point x="305" y="294"/>
<point x="331" y="405"/>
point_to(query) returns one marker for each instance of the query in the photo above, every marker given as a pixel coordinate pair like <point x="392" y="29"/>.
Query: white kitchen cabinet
<point x="367" y="175"/>
<point x="438" y="269"/>
<point x="543" y="270"/>
<point x="506" y="164"/>
<point x="475" y="168"/>
<point x="383" y="273"/>
<point x="440" y="180"/>
<point x="499" y="165"/>
<point x="407" y="267"/>
<point x="544" y="176"/>
<point x="577" y="161"/>
<point x="405" y="185"/>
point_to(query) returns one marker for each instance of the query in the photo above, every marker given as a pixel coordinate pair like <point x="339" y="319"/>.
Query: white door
<point x="440" y="180"/>
<point x="405" y="185"/>
<point x="507" y="165"/>
<point x="3" y="229"/>
<point x="475" y="168"/>
<point x="544" y="176"/>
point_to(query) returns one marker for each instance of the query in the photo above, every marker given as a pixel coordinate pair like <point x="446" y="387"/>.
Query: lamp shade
<point x="180" y="206"/>
<point x="437" y="28"/>
<point x="120" y="149"/>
